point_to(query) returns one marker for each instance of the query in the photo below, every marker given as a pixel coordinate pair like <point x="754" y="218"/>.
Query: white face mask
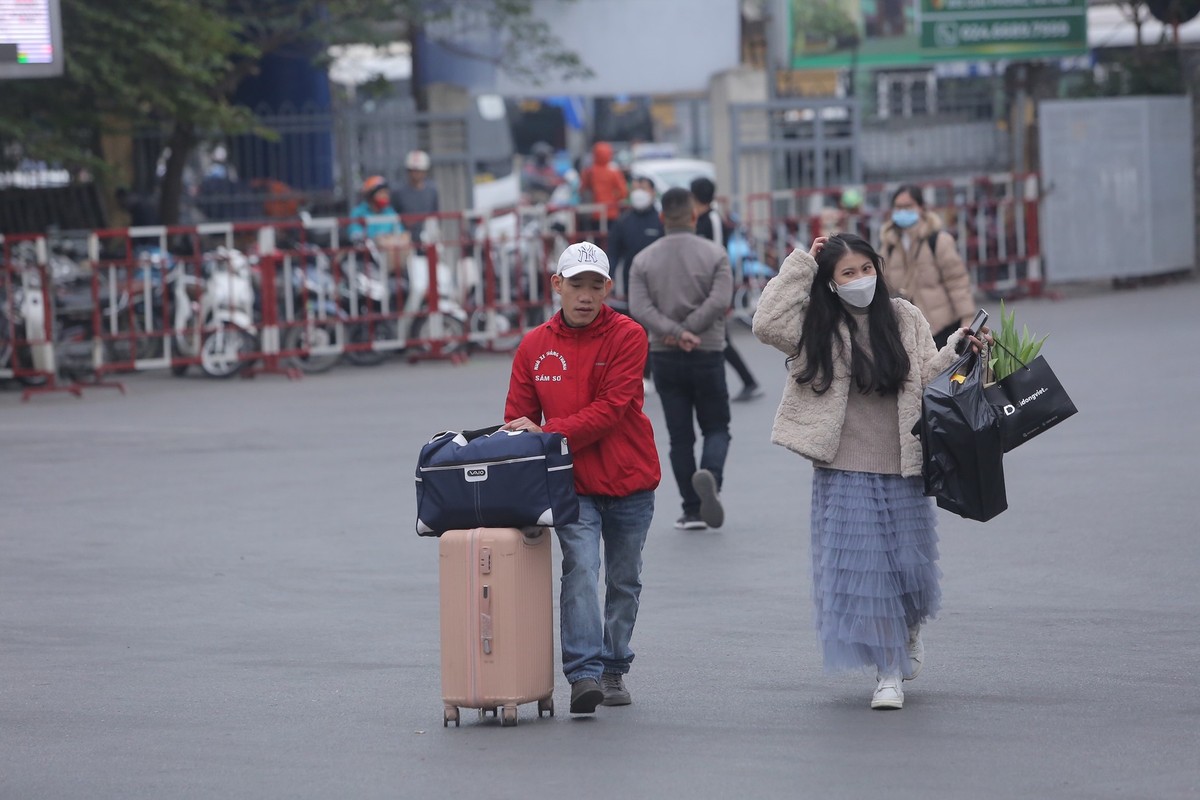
<point x="858" y="293"/>
<point x="640" y="199"/>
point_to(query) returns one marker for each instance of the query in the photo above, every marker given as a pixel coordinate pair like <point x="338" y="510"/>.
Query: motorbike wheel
<point x="320" y="335"/>
<point x="452" y="328"/>
<point x="22" y="358"/>
<point x="221" y="351"/>
<point x="507" y="335"/>
<point x="381" y="331"/>
<point x="119" y="351"/>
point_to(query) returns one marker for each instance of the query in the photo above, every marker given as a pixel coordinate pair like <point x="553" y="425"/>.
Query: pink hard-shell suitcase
<point x="497" y="621"/>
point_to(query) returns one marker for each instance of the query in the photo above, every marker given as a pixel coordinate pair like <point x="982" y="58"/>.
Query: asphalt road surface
<point x="212" y="589"/>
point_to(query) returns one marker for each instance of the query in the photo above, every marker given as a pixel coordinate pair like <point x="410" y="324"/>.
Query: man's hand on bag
<point x="522" y="424"/>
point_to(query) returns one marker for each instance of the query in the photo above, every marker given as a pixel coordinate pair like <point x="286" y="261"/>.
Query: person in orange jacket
<point x="603" y="182"/>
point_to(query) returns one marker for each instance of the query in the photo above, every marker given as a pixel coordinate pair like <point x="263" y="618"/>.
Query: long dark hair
<point x="885" y="368"/>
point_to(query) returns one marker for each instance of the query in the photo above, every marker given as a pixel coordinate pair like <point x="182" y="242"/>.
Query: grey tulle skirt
<point x="875" y="573"/>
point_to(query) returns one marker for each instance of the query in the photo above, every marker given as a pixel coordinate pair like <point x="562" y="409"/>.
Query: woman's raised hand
<point x="817" y="246"/>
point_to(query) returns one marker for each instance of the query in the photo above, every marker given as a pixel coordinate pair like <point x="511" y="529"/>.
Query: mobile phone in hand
<point x="981" y="318"/>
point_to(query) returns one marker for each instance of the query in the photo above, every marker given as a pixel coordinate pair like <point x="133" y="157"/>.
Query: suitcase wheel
<point x="546" y="706"/>
<point x="449" y="714"/>
<point x="483" y="712"/>
<point x="508" y="717"/>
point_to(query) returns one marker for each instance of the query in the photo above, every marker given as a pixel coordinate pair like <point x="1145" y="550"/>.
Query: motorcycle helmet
<point x="417" y="160"/>
<point x="372" y="185"/>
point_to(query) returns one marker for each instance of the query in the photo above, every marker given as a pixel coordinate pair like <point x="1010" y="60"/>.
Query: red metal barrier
<point x="288" y="296"/>
<point x="994" y="220"/>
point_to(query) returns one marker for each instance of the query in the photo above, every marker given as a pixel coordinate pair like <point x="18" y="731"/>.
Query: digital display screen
<point x="30" y="39"/>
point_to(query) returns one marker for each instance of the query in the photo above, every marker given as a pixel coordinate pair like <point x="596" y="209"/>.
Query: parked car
<point x="669" y="173"/>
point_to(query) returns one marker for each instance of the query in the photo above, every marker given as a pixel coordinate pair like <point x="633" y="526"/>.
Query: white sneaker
<point x="647" y="386"/>
<point x="888" y="693"/>
<point x="916" y="653"/>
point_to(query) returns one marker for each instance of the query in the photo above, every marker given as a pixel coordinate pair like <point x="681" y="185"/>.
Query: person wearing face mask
<point x="858" y="360"/>
<point x="634" y="230"/>
<point x="924" y="265"/>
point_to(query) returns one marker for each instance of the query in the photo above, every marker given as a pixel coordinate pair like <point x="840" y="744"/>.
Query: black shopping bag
<point x="1030" y="401"/>
<point x="961" y="442"/>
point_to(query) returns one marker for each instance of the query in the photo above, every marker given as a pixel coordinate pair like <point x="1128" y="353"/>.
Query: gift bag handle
<point x="1016" y="357"/>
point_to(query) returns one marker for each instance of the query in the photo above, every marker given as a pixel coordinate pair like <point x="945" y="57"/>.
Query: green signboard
<point x="840" y="33"/>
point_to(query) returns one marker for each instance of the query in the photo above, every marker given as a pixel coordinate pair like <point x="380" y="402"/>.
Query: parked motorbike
<point x="15" y="352"/>
<point x="214" y="319"/>
<point x="314" y="319"/>
<point x="416" y="301"/>
<point x="73" y="316"/>
<point x="750" y="276"/>
<point x="516" y="259"/>
<point x="367" y="288"/>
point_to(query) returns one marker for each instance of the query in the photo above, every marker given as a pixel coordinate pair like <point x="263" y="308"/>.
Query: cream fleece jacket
<point x="811" y="424"/>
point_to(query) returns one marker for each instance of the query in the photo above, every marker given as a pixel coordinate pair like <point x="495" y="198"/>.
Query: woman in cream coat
<point x="858" y="360"/>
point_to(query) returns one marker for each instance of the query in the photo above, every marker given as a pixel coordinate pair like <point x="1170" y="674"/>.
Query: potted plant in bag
<point x="1027" y="394"/>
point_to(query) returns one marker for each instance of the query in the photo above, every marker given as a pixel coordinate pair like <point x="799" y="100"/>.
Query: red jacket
<point x="586" y="383"/>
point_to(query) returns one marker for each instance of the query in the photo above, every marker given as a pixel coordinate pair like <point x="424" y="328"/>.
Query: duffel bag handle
<point x="468" y="436"/>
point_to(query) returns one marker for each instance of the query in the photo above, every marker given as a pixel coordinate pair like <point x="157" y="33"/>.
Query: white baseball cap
<point x="582" y="257"/>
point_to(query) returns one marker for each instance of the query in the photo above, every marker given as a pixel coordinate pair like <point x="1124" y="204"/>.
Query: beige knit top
<point x="868" y="442"/>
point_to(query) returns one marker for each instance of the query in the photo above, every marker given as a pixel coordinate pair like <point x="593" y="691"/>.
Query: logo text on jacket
<point x="552" y="357"/>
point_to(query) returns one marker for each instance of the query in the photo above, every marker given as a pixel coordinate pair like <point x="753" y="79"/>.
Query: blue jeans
<point x="694" y="383"/>
<point x="596" y="641"/>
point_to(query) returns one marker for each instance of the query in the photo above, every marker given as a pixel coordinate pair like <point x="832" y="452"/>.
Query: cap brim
<point x="578" y="269"/>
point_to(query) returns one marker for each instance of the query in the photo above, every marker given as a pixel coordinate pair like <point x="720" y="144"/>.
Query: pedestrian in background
<point x="417" y="198"/>
<point x="924" y="266"/>
<point x="632" y="233"/>
<point x="858" y="360"/>
<point x="714" y="227"/>
<point x="580" y="375"/>
<point x="374" y="216"/>
<point x="679" y="289"/>
<point x="634" y="230"/>
<point x="603" y="183"/>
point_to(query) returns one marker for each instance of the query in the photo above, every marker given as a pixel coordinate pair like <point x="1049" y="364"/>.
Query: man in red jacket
<point x="580" y="374"/>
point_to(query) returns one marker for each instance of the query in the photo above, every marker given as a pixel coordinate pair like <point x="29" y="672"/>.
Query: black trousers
<point x="735" y="360"/>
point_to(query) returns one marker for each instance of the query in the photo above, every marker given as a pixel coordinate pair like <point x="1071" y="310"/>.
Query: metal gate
<point x="311" y="159"/>
<point x="794" y="143"/>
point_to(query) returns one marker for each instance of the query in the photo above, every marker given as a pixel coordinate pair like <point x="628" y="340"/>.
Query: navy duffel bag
<point x="495" y="479"/>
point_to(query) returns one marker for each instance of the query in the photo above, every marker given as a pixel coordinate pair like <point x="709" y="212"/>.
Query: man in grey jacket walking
<point x="679" y="290"/>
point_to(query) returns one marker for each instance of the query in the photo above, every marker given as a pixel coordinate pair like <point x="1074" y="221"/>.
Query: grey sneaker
<point x="615" y="693"/>
<point x="586" y="694"/>
<point x="690" y="522"/>
<point x="711" y="510"/>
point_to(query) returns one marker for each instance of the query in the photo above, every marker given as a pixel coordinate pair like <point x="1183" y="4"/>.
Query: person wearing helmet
<point x="845" y="214"/>
<point x="417" y="197"/>
<point x="374" y="215"/>
<point x="539" y="178"/>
